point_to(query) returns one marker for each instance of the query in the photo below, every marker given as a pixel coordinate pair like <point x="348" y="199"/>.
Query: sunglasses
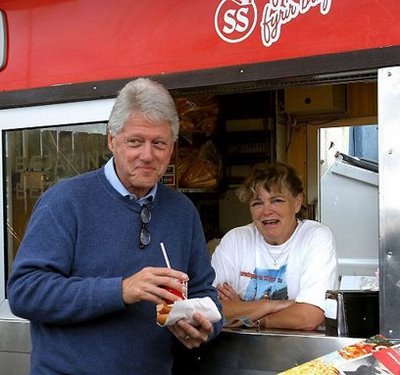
<point x="145" y="217"/>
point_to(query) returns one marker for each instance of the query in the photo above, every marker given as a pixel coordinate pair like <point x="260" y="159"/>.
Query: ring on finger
<point x="187" y="338"/>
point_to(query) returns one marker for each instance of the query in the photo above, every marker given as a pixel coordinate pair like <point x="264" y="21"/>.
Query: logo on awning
<point x="235" y="20"/>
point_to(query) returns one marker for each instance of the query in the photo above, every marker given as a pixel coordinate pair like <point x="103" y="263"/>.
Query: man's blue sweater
<point x="82" y="239"/>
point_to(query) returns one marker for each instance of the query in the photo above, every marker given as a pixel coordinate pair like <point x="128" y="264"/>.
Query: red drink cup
<point x="181" y="294"/>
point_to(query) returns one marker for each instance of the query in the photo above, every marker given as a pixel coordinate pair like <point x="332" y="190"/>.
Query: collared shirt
<point x="111" y="175"/>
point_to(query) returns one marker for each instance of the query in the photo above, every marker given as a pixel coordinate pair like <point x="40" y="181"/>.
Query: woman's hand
<point x="227" y="293"/>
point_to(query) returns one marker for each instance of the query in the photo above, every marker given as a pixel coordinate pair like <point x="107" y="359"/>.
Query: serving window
<point x="36" y="159"/>
<point x="41" y="145"/>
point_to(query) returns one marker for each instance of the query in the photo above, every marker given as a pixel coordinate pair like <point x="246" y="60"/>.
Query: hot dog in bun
<point x="163" y="311"/>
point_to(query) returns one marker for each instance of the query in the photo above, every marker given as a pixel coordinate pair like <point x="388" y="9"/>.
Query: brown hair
<point x="275" y="175"/>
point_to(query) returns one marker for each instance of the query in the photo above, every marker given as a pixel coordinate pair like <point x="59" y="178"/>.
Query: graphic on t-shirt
<point x="266" y="282"/>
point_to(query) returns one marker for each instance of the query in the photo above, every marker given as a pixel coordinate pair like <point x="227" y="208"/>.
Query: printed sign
<point x="225" y="33"/>
<point x="235" y="20"/>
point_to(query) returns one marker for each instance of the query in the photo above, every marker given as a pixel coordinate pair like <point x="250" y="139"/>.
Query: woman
<point x="274" y="272"/>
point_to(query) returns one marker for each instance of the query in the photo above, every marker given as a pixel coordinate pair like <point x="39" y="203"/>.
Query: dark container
<point x="357" y="313"/>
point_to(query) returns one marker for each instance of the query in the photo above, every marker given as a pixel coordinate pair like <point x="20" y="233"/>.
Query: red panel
<point x="55" y="42"/>
<point x="390" y="358"/>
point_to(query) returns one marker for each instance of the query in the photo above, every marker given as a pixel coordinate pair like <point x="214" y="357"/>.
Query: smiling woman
<point x="276" y="201"/>
<point x="277" y="269"/>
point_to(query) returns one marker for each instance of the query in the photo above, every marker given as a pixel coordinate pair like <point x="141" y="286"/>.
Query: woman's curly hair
<point x="277" y="175"/>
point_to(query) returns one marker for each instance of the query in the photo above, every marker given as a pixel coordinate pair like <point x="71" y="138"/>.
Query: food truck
<point x="254" y="80"/>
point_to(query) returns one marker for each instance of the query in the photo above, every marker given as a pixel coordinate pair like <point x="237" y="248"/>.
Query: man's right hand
<point x="148" y="285"/>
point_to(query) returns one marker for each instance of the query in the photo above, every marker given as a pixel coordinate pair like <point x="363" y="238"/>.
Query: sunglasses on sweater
<point x="145" y="217"/>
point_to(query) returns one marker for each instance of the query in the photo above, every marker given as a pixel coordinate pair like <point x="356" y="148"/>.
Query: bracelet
<point x="265" y="296"/>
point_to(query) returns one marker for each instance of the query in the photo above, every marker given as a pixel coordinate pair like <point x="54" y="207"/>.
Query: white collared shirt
<point x="116" y="183"/>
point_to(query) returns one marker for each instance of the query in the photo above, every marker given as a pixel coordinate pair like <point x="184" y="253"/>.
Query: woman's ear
<point x="299" y="202"/>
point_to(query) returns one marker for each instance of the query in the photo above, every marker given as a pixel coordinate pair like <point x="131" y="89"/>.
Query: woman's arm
<point x="235" y="309"/>
<point x="298" y="316"/>
<point x="284" y="314"/>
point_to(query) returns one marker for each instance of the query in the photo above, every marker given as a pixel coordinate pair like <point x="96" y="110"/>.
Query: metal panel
<point x="14" y="363"/>
<point x="15" y="347"/>
<point x="354" y="66"/>
<point x="389" y="199"/>
<point x="246" y="352"/>
<point x="243" y="352"/>
<point x="344" y="185"/>
<point x="15" y="336"/>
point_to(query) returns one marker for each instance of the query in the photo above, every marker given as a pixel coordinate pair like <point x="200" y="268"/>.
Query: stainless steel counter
<point x="233" y="352"/>
<point x="15" y="347"/>
<point x="247" y="352"/>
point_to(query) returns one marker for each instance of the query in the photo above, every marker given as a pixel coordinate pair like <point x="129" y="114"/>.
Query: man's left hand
<point x="192" y="336"/>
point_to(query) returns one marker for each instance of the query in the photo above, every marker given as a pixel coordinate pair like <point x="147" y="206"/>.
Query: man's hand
<point x="148" y="285"/>
<point x="192" y="336"/>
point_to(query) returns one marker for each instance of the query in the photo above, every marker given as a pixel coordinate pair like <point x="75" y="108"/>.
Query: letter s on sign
<point x="241" y="27"/>
<point x="235" y="20"/>
<point x="229" y="19"/>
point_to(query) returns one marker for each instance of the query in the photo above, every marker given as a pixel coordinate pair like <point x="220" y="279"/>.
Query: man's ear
<point x="110" y="142"/>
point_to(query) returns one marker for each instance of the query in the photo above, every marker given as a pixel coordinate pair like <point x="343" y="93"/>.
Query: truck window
<point x="349" y="194"/>
<point x="41" y="145"/>
<point x="37" y="158"/>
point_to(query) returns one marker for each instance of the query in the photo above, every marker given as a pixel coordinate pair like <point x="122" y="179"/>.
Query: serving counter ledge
<point x="233" y="352"/>
<point x="248" y="352"/>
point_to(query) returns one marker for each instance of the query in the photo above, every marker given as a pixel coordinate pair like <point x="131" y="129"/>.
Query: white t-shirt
<point x="301" y="269"/>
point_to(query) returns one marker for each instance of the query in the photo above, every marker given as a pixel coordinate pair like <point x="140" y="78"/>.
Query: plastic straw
<point x="165" y="255"/>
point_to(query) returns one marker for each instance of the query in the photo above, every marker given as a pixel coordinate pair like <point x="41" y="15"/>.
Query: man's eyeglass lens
<point x="145" y="216"/>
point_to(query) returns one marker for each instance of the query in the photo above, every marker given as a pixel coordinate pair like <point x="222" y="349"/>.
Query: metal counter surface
<point x="15" y="347"/>
<point x="247" y="352"/>
<point x="233" y="352"/>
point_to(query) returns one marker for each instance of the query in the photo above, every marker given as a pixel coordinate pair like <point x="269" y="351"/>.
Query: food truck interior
<point x="221" y="136"/>
<point x="223" y="132"/>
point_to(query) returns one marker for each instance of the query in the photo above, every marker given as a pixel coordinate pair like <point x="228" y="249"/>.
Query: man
<point x="90" y="270"/>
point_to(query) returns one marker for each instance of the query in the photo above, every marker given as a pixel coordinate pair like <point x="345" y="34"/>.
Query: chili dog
<point x="163" y="311"/>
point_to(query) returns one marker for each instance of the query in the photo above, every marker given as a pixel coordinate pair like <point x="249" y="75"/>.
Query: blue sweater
<point x="81" y="241"/>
